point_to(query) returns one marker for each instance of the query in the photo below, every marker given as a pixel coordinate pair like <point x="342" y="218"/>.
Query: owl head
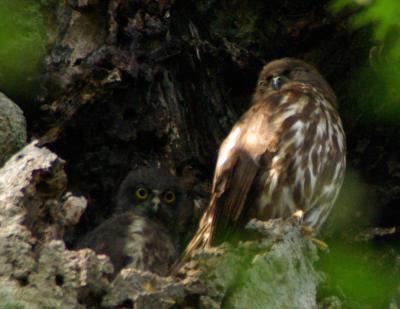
<point x="282" y="73"/>
<point x="156" y="194"/>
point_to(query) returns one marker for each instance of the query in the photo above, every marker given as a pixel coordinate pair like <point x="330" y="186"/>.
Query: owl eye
<point x="141" y="193"/>
<point x="169" y="197"/>
<point x="277" y="82"/>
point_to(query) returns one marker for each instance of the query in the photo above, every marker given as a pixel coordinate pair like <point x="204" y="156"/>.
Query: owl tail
<point x="202" y="239"/>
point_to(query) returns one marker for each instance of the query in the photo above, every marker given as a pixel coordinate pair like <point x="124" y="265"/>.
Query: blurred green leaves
<point x="383" y="13"/>
<point x="12" y="306"/>
<point x="361" y="274"/>
<point x="21" y="43"/>
<point x="378" y="83"/>
<point x="354" y="211"/>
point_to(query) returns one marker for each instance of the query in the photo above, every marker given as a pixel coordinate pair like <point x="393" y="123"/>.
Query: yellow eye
<point x="141" y="193"/>
<point x="169" y="197"/>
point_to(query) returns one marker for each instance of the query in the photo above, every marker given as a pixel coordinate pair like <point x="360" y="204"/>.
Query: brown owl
<point x="151" y="211"/>
<point x="286" y="153"/>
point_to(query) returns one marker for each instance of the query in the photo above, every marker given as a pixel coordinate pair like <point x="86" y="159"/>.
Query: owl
<point x="151" y="211"/>
<point x="285" y="155"/>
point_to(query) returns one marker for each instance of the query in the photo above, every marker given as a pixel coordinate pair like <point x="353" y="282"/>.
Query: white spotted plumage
<point x="286" y="154"/>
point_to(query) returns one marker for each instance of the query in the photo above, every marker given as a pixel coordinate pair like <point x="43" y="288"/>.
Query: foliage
<point x="21" y="43"/>
<point x="378" y="84"/>
<point x="364" y="273"/>
<point x="11" y="306"/>
<point x="383" y="13"/>
<point x="361" y="274"/>
<point x="358" y="269"/>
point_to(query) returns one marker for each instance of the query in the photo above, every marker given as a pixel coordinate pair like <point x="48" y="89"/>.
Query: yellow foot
<point x="298" y="215"/>
<point x="308" y="232"/>
<point x="321" y="245"/>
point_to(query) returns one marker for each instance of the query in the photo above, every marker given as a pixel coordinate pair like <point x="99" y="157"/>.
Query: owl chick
<point x="152" y="209"/>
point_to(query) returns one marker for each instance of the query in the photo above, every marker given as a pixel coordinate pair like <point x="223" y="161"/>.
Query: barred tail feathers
<point x="202" y="239"/>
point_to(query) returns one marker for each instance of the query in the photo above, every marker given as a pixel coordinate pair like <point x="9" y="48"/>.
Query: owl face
<point x="283" y="72"/>
<point x="153" y="193"/>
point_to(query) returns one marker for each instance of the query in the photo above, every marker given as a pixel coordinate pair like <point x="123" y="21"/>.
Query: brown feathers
<point x="286" y="153"/>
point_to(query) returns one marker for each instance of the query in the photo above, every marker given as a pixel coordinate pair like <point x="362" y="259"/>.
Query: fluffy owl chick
<point x="285" y="155"/>
<point x="151" y="211"/>
<point x="131" y="240"/>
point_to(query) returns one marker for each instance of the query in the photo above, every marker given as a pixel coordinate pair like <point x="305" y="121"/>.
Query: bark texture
<point x="134" y="83"/>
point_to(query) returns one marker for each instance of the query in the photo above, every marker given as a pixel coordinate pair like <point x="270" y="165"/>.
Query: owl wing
<point x="242" y="157"/>
<point x="109" y="238"/>
<point x="300" y="146"/>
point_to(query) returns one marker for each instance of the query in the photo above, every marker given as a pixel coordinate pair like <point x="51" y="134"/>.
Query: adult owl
<point x="151" y="211"/>
<point x="285" y="154"/>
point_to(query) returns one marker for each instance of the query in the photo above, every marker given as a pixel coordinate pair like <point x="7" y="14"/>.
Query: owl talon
<point x="321" y="245"/>
<point x="298" y="215"/>
<point x="308" y="232"/>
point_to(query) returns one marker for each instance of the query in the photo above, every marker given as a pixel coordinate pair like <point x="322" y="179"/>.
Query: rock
<point x="281" y="277"/>
<point x="35" y="266"/>
<point x="144" y="289"/>
<point x="38" y="271"/>
<point x="12" y="128"/>
<point x="275" y="271"/>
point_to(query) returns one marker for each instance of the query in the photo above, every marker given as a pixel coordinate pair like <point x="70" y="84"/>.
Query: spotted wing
<point x="242" y="157"/>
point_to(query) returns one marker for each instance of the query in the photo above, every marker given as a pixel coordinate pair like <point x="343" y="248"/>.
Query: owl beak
<point x="156" y="202"/>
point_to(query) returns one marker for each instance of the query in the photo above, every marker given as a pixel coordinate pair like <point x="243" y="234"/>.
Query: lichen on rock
<point x="12" y="128"/>
<point x="37" y="270"/>
<point x="273" y="271"/>
<point x="36" y="267"/>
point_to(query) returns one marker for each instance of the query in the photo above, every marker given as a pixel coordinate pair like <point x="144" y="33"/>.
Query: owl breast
<point x="148" y="247"/>
<point x="130" y="240"/>
<point x="307" y="169"/>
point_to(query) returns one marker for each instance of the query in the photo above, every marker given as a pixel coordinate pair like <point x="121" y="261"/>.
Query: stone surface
<point x="145" y="290"/>
<point x="274" y="272"/>
<point x="12" y="128"/>
<point x="281" y="277"/>
<point x="36" y="269"/>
